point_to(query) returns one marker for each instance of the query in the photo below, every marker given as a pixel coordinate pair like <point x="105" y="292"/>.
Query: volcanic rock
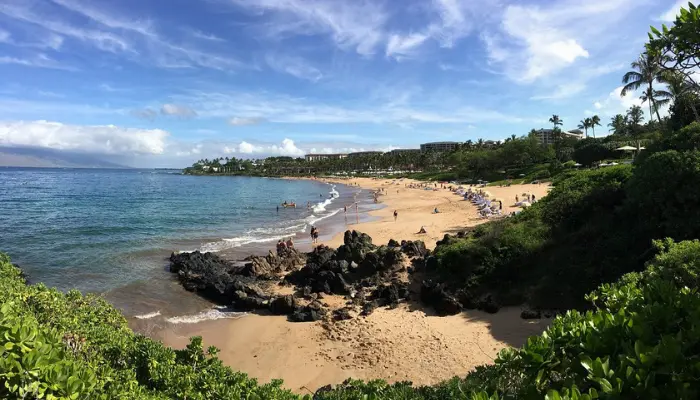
<point x="283" y="305"/>
<point x="434" y="295"/>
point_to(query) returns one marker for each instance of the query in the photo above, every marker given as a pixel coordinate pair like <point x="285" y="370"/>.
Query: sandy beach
<point x="407" y="343"/>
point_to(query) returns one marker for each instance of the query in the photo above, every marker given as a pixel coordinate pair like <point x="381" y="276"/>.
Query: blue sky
<point x="164" y="83"/>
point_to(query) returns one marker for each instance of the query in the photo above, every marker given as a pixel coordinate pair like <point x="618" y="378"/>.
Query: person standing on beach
<point x="278" y="209"/>
<point x="396" y="215"/>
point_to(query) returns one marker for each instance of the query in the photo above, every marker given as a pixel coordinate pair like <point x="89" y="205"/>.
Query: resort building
<point x="319" y="157"/>
<point x="365" y="153"/>
<point x="546" y="136"/>
<point x="404" y="151"/>
<point x="439" y="146"/>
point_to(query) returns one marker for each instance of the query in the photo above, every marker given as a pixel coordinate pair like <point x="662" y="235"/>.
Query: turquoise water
<point x="110" y="231"/>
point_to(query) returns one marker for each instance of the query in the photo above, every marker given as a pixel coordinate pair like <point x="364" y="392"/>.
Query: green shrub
<point x="70" y="346"/>
<point x="664" y="193"/>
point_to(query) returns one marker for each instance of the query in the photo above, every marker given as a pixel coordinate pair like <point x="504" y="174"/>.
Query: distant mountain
<point x="48" y="158"/>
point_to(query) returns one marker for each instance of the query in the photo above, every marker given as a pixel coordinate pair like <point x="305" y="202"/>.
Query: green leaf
<point x="552" y="395"/>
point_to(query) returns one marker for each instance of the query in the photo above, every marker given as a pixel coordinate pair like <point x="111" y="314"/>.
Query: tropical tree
<point x="556" y="121"/>
<point x="556" y="132"/>
<point x="585" y="124"/>
<point x="595" y="120"/>
<point x="679" y="89"/>
<point x="646" y="70"/>
<point x="635" y="117"/>
<point x="618" y="124"/>
<point x="677" y="49"/>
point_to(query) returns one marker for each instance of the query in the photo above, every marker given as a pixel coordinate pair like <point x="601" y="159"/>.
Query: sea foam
<point x="208" y="315"/>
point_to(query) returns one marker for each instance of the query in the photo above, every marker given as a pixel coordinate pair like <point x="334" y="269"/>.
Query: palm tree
<point x="646" y="70"/>
<point x="635" y="116"/>
<point x="595" y="120"/>
<point x="555" y="120"/>
<point x="617" y="124"/>
<point x="678" y="89"/>
<point x="585" y="124"/>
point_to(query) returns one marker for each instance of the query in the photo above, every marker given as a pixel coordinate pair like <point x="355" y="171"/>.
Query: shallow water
<point x="111" y="231"/>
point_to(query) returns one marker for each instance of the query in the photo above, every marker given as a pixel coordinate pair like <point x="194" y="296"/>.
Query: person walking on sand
<point x="396" y="215"/>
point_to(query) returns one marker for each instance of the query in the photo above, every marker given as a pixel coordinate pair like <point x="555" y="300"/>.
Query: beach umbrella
<point x="626" y="148"/>
<point x="613" y="163"/>
<point x="577" y="165"/>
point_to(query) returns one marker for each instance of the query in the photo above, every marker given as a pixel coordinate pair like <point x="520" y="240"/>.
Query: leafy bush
<point x="664" y="194"/>
<point x="70" y="346"/>
<point x="592" y="153"/>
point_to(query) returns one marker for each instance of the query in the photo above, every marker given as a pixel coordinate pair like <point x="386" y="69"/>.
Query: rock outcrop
<point x="369" y="276"/>
<point x="435" y="295"/>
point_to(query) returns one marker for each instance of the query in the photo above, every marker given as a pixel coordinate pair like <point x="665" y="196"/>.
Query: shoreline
<point x="407" y="343"/>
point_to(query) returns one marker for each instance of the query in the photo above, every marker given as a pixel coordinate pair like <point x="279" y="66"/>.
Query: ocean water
<point x="111" y="231"/>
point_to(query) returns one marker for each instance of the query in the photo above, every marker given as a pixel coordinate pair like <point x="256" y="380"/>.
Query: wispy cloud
<point x="102" y="40"/>
<point x="356" y="25"/>
<point x="37" y="61"/>
<point x="205" y="36"/>
<point x="277" y="108"/>
<point x="294" y="66"/>
<point x="145" y="113"/>
<point x="138" y="39"/>
<point x="178" y="110"/>
<point x="242" y="121"/>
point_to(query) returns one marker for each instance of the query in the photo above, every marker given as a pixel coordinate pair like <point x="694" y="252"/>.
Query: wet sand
<point x="407" y="343"/>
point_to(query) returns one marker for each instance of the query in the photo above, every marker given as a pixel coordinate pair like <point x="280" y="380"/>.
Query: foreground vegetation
<point x="640" y="341"/>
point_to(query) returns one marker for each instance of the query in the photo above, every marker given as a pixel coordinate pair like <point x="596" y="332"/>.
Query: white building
<point x="546" y="136"/>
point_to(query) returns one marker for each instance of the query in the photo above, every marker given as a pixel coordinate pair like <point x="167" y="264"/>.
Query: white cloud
<point x="242" y="121"/>
<point x="285" y="148"/>
<point x="5" y="36"/>
<point x="356" y="25"/>
<point x="671" y="13"/>
<point x="615" y="104"/>
<point x="403" y="46"/>
<point x="205" y="36"/>
<point x="294" y="66"/>
<point x="107" y="139"/>
<point x="536" y="41"/>
<point x="178" y="110"/>
<point x="546" y="48"/>
<point x="38" y="61"/>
